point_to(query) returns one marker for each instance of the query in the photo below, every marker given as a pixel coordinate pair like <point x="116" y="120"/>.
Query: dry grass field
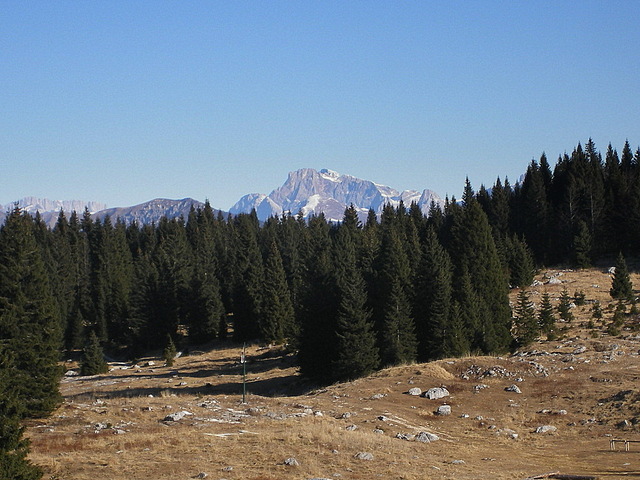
<point x="584" y="384"/>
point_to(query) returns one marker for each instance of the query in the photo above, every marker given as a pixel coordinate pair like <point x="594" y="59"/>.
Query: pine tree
<point x="320" y="304"/>
<point x="564" y="306"/>
<point x="582" y="246"/>
<point x="93" y="362"/>
<point x="248" y="291"/>
<point x="521" y="266"/>
<point x="398" y="343"/>
<point x="169" y="353"/>
<point x="356" y="352"/>
<point x="525" y="329"/>
<point x="277" y="321"/>
<point x="30" y="326"/>
<point x="473" y="250"/>
<point x="205" y="311"/>
<point x="621" y="286"/>
<point x="432" y="299"/>
<point x="546" y="318"/>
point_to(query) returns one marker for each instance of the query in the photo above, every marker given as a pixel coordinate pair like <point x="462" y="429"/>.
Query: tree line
<point x="348" y="297"/>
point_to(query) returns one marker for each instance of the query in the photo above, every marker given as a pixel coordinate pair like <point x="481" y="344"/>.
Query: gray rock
<point x="513" y="388"/>
<point x="378" y="431"/>
<point x="291" y="462"/>
<point x="174" y="417"/>
<point x="436" y="393"/>
<point x="378" y="396"/>
<point x="364" y="456"/>
<point x="404" y="436"/>
<point x="546" y="429"/>
<point x="444" y="410"/>
<point x="426" y="437"/>
<point x="415" y="391"/>
<point x="352" y="427"/>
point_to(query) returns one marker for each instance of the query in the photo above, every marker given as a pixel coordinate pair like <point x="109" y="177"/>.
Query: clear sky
<point x="124" y="101"/>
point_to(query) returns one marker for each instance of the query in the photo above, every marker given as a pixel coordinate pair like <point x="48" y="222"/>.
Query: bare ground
<point x="584" y="384"/>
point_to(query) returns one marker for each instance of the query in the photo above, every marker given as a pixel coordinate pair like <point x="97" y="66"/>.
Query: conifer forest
<point x="348" y="298"/>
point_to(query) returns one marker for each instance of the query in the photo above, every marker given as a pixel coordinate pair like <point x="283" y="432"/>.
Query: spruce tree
<point x="30" y="326"/>
<point x="621" y="286"/>
<point x="277" y="321"/>
<point x="398" y="342"/>
<point x="205" y="311"/>
<point x="356" y="353"/>
<point x="525" y="329"/>
<point x="582" y="246"/>
<point x="169" y="352"/>
<point x="93" y="362"/>
<point x="432" y="299"/>
<point x="546" y="318"/>
<point x="14" y="448"/>
<point x="564" y="306"/>
<point x="320" y="304"/>
<point x="248" y="291"/>
<point x="473" y="250"/>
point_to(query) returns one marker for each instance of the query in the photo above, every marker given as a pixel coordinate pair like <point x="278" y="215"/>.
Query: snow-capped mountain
<point x="310" y="191"/>
<point x="50" y="209"/>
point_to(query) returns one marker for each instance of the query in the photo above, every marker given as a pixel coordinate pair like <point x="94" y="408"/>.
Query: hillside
<point x="116" y="426"/>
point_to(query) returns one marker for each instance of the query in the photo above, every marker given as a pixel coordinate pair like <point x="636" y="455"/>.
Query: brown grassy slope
<point x="111" y="426"/>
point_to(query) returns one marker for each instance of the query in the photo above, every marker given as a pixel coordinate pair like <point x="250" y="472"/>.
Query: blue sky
<point x="125" y="101"/>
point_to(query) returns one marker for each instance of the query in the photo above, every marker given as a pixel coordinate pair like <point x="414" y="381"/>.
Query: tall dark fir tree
<point x="30" y="326"/>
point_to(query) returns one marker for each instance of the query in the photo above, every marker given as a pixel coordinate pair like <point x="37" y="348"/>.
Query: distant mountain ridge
<point x="144" y="213"/>
<point x="50" y="209"/>
<point x="310" y="192"/>
<point x="152" y="211"/>
<point x="306" y="191"/>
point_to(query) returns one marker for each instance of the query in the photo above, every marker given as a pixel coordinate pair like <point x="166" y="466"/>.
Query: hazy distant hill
<point x="310" y="191"/>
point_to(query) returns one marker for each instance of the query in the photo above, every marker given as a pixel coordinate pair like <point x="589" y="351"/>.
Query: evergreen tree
<point x="14" y="448"/>
<point x="546" y="318"/>
<point x="473" y="250"/>
<point x="621" y="286"/>
<point x="278" y="318"/>
<point x="564" y="306"/>
<point x="398" y="343"/>
<point x="356" y="352"/>
<point x="432" y="300"/>
<point x="205" y="312"/>
<point x="169" y="353"/>
<point x="248" y="292"/>
<point x="521" y="266"/>
<point x="582" y="246"/>
<point x="525" y="328"/>
<point x="30" y="327"/>
<point x="320" y="305"/>
<point x="93" y="362"/>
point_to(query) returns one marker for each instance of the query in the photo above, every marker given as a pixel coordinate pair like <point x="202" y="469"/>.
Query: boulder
<point x="364" y="456"/>
<point x="546" y="429"/>
<point x="291" y="462"/>
<point x="426" y="437"/>
<point x="415" y="391"/>
<point x="174" y="417"/>
<point x="513" y="388"/>
<point x="436" y="393"/>
<point x="444" y="410"/>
